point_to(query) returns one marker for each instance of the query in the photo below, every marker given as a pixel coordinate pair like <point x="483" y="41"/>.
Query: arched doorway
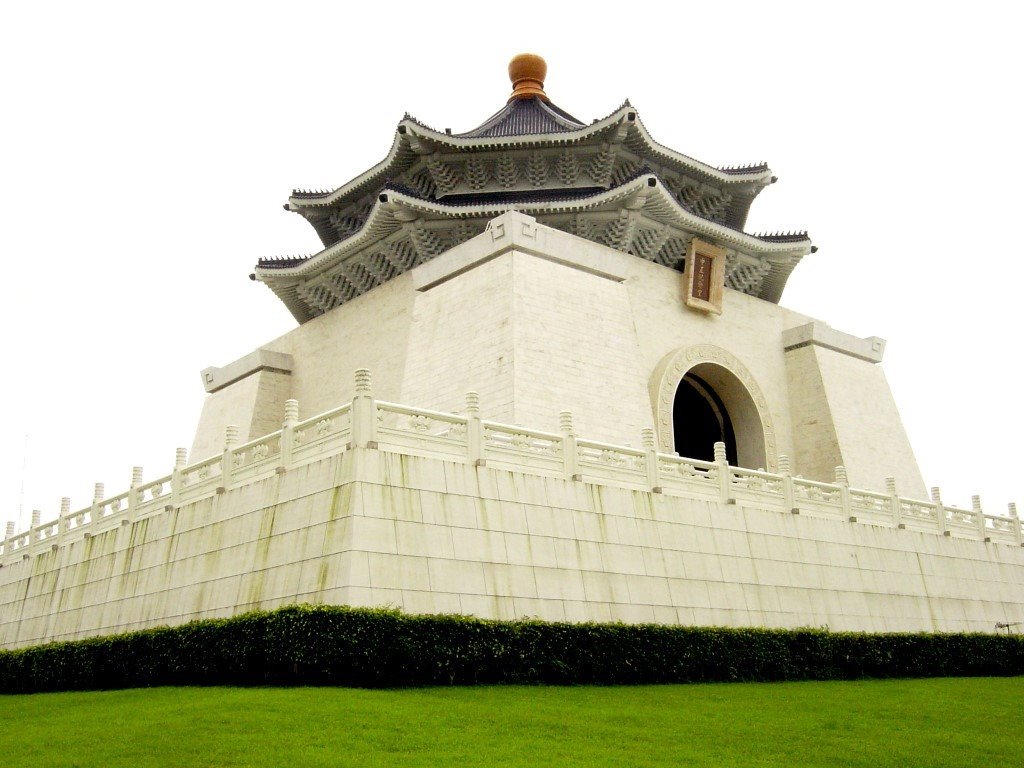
<point x="699" y="420"/>
<point x="701" y="394"/>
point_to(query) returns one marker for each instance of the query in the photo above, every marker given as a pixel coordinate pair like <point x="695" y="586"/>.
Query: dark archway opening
<point x="699" y="420"/>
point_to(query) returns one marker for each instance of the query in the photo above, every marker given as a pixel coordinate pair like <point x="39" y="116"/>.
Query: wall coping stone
<point x="215" y="378"/>
<point x="821" y="334"/>
<point x="517" y="231"/>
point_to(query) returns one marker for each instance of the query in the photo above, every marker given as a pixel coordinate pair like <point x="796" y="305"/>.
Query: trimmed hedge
<point x="328" y="645"/>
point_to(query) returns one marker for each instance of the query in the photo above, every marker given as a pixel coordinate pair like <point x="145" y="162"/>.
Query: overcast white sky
<point x="147" y="150"/>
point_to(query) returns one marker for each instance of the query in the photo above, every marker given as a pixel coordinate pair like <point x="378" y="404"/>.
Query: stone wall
<point x="379" y="504"/>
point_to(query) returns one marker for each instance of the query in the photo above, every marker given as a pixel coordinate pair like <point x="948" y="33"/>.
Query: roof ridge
<point x="550" y="106"/>
<point x="407" y="118"/>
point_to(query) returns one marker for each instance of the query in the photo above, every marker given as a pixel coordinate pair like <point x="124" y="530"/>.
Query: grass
<point x="936" y="722"/>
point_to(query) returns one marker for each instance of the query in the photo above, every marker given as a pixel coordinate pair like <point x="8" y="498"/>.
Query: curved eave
<point x="760" y="177"/>
<point x="620" y="117"/>
<point x="379" y="224"/>
<point x="409" y="130"/>
<point x="667" y="208"/>
<point x="361" y="184"/>
<point x="384" y="219"/>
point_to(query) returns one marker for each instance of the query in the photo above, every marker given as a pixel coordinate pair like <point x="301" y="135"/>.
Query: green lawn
<point x="942" y="722"/>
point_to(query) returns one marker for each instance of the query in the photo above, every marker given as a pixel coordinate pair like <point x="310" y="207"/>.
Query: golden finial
<point x="527" y="72"/>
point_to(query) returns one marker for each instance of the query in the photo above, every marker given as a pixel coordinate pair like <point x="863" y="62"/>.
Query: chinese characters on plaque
<point x="704" y="277"/>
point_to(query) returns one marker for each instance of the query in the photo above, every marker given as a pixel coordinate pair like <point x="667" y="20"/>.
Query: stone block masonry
<point x="376" y="503"/>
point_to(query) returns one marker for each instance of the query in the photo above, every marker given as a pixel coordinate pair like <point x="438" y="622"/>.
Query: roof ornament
<point x="527" y="72"/>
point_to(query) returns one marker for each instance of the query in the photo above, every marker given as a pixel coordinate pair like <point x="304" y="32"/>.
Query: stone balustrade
<point x="373" y="424"/>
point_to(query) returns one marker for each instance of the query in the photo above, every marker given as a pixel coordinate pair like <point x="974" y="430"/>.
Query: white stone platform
<point x="377" y="504"/>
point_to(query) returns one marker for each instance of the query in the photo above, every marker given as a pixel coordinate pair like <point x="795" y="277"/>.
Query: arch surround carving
<point x="749" y="402"/>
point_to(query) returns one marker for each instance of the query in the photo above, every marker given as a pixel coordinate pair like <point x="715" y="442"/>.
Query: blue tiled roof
<point x="525" y="117"/>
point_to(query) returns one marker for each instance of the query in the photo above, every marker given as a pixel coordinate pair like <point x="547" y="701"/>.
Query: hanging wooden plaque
<point x="704" y="277"/>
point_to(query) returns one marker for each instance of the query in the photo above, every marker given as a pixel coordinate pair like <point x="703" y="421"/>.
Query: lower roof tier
<point x="640" y="217"/>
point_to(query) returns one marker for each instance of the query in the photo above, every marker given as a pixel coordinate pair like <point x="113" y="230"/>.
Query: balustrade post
<point x="569" y="452"/>
<point x="291" y="418"/>
<point x="177" y="477"/>
<point x="788" y="494"/>
<point x="843" y="481"/>
<point x="895" y="506"/>
<point x="724" y="475"/>
<point x="474" y="430"/>
<point x="37" y="518"/>
<point x="364" y="412"/>
<point x="940" y="511"/>
<point x="64" y="521"/>
<point x="651" y="459"/>
<point x="1014" y="523"/>
<point x="979" y="518"/>
<point x="8" y="533"/>
<point x="227" y="461"/>
<point x="133" y="495"/>
<point x="96" y="511"/>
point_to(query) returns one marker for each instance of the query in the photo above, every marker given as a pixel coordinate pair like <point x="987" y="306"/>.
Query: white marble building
<point x="649" y="436"/>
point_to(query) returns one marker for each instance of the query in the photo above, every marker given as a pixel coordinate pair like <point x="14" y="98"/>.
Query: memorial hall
<point x="539" y="368"/>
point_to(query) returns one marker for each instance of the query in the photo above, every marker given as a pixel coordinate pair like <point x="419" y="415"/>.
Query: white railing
<point x="419" y="432"/>
<point x="368" y="423"/>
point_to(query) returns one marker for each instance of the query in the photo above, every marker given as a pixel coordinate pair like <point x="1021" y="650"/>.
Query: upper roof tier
<point x="526" y="156"/>
<point x="523" y="117"/>
<point x="508" y="152"/>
